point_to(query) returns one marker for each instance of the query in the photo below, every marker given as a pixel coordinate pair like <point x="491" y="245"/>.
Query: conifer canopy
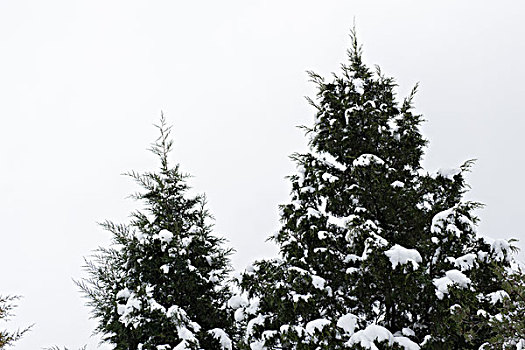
<point x="162" y="285"/>
<point x="375" y="252"/>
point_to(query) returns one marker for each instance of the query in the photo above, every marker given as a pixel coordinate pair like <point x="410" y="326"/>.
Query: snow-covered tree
<point x="162" y="284"/>
<point x="375" y="252"/>
<point x="7" y="338"/>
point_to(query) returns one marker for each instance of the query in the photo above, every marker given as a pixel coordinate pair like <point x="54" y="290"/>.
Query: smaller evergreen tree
<point x="8" y="338"/>
<point x="162" y="284"/>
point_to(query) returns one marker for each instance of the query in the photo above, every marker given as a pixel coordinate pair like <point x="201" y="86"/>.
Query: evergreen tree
<point x="162" y="284"/>
<point x="374" y="251"/>
<point x="8" y="338"/>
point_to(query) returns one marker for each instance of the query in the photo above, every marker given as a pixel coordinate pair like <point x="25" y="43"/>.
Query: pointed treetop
<point x="355" y="52"/>
<point x="163" y="145"/>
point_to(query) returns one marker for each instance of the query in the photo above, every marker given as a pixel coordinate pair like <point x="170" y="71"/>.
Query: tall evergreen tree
<point x="162" y="284"/>
<point x="374" y="251"/>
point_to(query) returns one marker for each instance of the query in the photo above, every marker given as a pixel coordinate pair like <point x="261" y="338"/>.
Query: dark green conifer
<point x="162" y="284"/>
<point x="374" y="251"/>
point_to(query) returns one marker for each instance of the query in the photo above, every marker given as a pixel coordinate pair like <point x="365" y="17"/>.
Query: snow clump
<point x="451" y="277"/>
<point x="222" y="337"/>
<point x="498" y="296"/>
<point x="367" y="336"/>
<point x="440" y="218"/>
<point x="367" y="159"/>
<point x="502" y="249"/>
<point x="399" y="255"/>
<point x="330" y="160"/>
<point x="123" y="294"/>
<point x="164" y="236"/>
<point x="359" y="86"/>
<point x="319" y="324"/>
<point x="348" y="323"/>
<point x="465" y="262"/>
<point x="373" y="332"/>
<point x="318" y="282"/>
<point x="397" y="184"/>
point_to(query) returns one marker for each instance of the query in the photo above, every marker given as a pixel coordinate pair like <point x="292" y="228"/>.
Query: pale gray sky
<point x="81" y="83"/>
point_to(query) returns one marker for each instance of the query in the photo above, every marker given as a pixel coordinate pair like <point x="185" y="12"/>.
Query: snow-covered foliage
<point x="452" y="277"/>
<point x="223" y="338"/>
<point x="374" y="251"/>
<point x="366" y="160"/>
<point x="162" y="286"/>
<point x="510" y="321"/>
<point x="399" y="255"/>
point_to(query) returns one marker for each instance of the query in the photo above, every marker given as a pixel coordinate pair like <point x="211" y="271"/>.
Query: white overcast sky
<point x="82" y="82"/>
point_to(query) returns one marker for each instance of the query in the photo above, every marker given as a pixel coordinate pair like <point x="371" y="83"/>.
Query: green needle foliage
<point x="162" y="284"/>
<point x="375" y="252"/>
<point x="510" y="322"/>
<point x="8" y="338"/>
